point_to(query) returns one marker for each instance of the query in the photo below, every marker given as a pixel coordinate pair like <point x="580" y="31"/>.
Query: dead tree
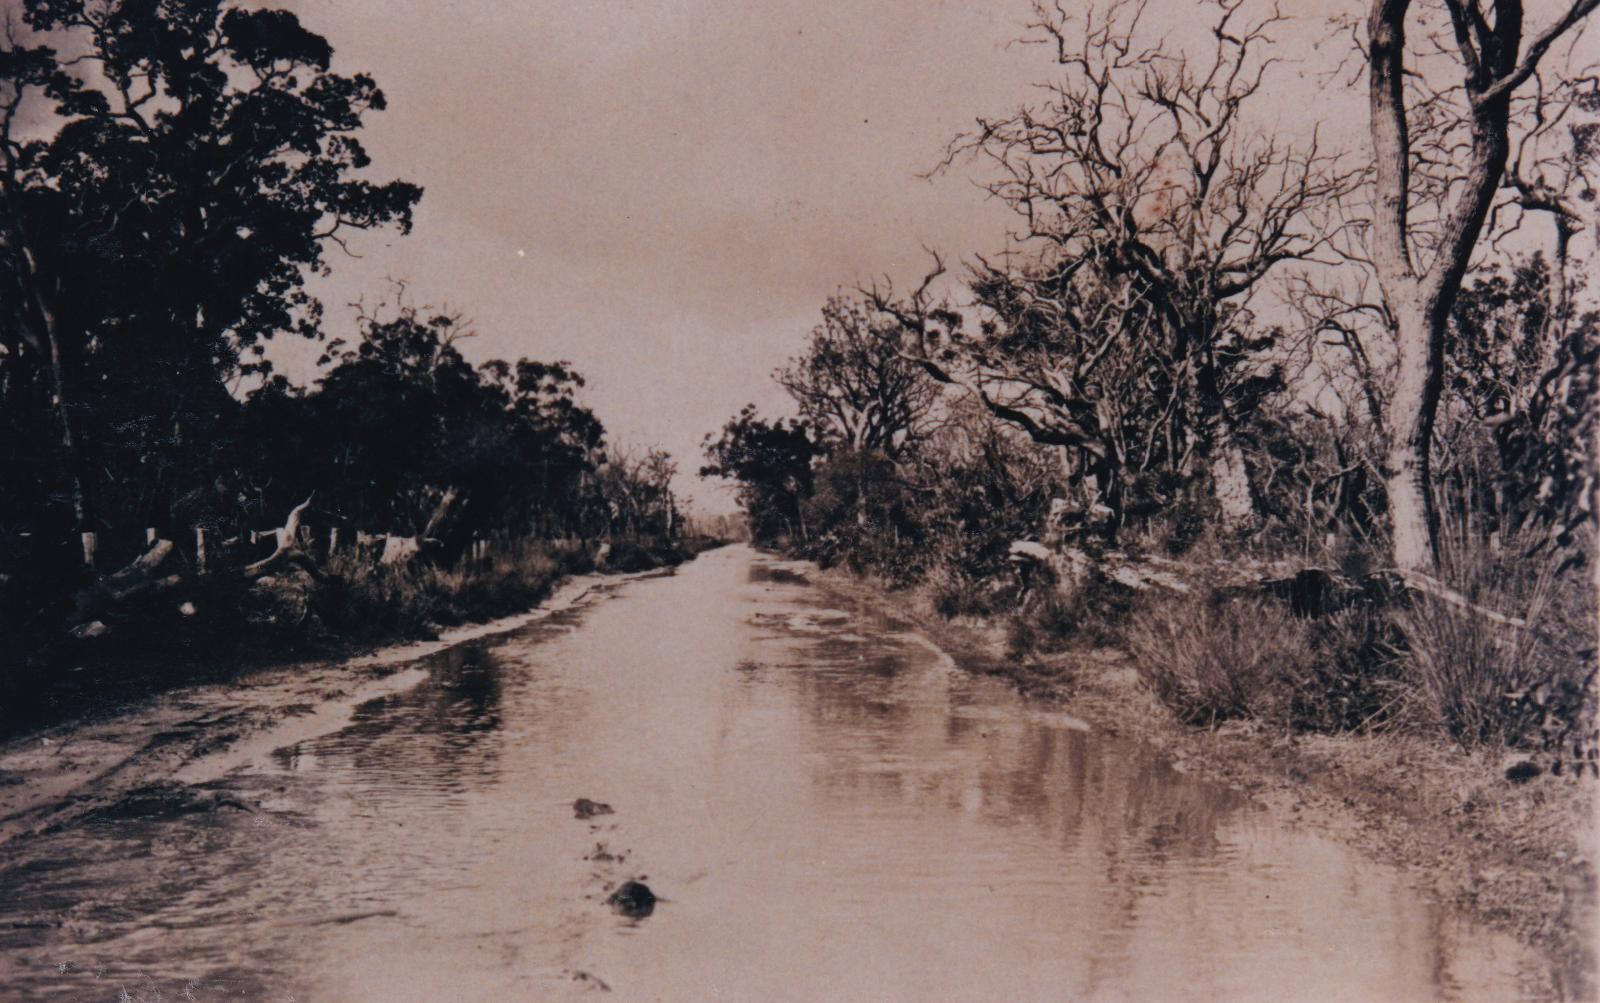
<point x="288" y="551"/>
<point x="1150" y="213"/>
<point x="854" y="384"/>
<point x="151" y="574"/>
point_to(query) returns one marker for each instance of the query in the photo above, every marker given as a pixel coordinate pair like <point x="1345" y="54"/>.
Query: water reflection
<point x="827" y="811"/>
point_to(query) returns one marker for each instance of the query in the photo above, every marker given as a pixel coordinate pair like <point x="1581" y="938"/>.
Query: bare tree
<point x="854" y="386"/>
<point x="1420" y="255"/>
<point x="1151" y="211"/>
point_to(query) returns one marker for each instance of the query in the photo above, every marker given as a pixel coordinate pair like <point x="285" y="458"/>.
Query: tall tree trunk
<point x="1419" y="297"/>
<point x="43" y="316"/>
<point x="71" y="442"/>
<point x="1419" y="377"/>
<point x="1230" y="478"/>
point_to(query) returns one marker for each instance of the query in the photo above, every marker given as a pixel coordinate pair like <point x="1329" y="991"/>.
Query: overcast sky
<point x="664" y="193"/>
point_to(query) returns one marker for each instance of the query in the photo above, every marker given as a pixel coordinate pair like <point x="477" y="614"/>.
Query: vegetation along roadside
<point x="1281" y="455"/>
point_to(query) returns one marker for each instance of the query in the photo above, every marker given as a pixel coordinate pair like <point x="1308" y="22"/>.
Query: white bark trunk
<point x="1230" y="480"/>
<point x="1407" y="468"/>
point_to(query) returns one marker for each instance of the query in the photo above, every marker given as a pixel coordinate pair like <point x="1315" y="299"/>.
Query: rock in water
<point x="633" y="899"/>
<point x="585" y="809"/>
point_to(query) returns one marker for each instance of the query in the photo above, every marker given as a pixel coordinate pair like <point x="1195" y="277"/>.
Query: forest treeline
<point x="1309" y="431"/>
<point x="172" y="172"/>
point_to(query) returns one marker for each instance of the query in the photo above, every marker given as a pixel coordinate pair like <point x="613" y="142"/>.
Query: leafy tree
<point x="401" y="422"/>
<point x="1512" y="435"/>
<point x="771" y="464"/>
<point x="193" y="163"/>
<point x="638" y="490"/>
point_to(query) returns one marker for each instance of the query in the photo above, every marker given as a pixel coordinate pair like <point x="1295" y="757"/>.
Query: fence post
<point x="200" y="549"/>
<point x="90" y="543"/>
<point x="149" y="536"/>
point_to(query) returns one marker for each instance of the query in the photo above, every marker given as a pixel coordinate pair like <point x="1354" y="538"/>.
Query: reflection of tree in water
<point x="441" y="735"/>
<point x="1130" y="826"/>
<point x="855" y="691"/>
<point x="1082" y="787"/>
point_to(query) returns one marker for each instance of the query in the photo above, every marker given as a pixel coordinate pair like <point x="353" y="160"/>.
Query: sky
<point x="664" y="193"/>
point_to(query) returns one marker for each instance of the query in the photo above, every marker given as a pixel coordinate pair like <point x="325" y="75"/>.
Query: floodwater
<point x="826" y="809"/>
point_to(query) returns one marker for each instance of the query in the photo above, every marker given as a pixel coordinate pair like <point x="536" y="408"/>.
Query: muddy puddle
<point x="820" y="806"/>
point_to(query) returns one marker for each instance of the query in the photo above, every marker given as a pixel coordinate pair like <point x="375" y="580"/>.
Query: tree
<point x="1514" y="425"/>
<point x="1150" y="212"/>
<point x="402" y="421"/>
<point x="854" y="385"/>
<point x="1420" y="257"/>
<point x="638" y="489"/>
<point x="33" y="372"/>
<point x="771" y="464"/>
<point x="191" y="165"/>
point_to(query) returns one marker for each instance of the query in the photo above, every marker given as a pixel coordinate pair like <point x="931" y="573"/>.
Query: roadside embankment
<point x="1518" y="856"/>
<point x="170" y="746"/>
<point x="219" y="627"/>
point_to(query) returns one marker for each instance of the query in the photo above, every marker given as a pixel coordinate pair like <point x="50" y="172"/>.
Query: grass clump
<point x="1213" y="660"/>
<point x="955" y="592"/>
<point x="1523" y="680"/>
<point x="1498" y="654"/>
<point x="1093" y="615"/>
<point x="629" y="554"/>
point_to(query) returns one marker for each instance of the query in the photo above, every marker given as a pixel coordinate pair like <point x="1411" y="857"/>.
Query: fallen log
<point x="288" y="550"/>
<point x="1072" y="567"/>
<point x="1419" y="582"/>
<point x="1309" y="591"/>
<point x="142" y="577"/>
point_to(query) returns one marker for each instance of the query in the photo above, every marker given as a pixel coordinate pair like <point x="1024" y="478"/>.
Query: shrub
<point x="1488" y="683"/>
<point x="1093" y="615"/>
<point x="1353" y="683"/>
<point x="367" y="598"/>
<point x="1213" y="660"/>
<point x="958" y="593"/>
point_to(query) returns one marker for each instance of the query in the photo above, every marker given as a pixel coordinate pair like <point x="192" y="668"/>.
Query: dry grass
<point x="1491" y="684"/>
<point x="1215" y="661"/>
<point x="376" y="599"/>
<point x="413" y="600"/>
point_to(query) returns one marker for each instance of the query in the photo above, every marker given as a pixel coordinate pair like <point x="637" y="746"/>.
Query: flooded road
<point x="825" y="807"/>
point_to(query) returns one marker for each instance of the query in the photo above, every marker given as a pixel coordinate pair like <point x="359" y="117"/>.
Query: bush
<point x="958" y="593"/>
<point x="1354" y="682"/>
<point x="1094" y="615"/>
<point x="1485" y="683"/>
<point x="1218" y="660"/>
<point x="371" y="599"/>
